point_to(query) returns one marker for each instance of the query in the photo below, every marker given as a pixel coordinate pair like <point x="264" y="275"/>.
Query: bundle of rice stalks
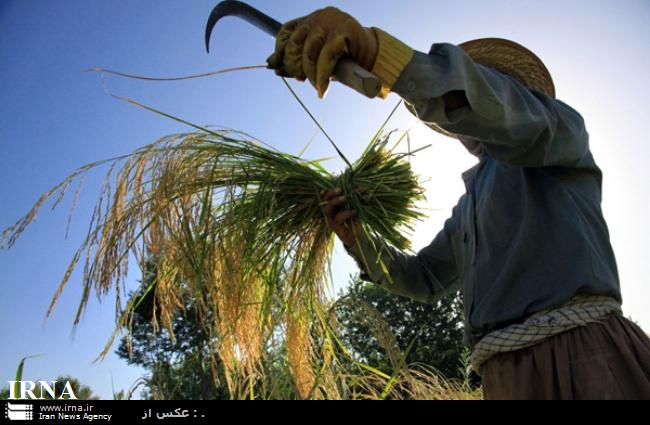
<point x="240" y="226"/>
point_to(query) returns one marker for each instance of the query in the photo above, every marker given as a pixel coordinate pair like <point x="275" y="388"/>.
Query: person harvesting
<point x="527" y="243"/>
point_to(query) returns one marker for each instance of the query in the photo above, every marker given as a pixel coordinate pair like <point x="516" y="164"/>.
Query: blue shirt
<point x="529" y="232"/>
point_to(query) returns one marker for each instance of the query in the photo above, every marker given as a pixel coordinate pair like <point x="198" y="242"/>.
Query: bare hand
<point x="339" y="219"/>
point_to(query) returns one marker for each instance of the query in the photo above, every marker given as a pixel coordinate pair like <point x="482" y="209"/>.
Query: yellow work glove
<point x="311" y="46"/>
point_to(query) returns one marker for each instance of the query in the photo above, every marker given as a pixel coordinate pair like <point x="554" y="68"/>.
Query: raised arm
<point x="514" y="123"/>
<point x="445" y="88"/>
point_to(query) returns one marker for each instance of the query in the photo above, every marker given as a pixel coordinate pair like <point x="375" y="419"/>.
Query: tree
<point x="180" y="367"/>
<point x="431" y="335"/>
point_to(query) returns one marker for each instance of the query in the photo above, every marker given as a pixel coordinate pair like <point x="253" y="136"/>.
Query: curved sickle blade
<point x="243" y="11"/>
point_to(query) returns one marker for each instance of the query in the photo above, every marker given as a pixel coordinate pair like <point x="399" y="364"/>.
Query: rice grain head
<point x="238" y="226"/>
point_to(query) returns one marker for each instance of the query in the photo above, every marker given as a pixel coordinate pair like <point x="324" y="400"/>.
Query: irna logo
<point x="24" y="390"/>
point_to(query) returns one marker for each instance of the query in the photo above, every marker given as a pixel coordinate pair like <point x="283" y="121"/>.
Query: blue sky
<point x="56" y="117"/>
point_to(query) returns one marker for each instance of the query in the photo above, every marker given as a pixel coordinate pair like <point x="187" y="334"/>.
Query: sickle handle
<point x="347" y="71"/>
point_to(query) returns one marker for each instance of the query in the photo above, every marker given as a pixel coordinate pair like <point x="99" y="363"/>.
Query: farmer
<point x="527" y="243"/>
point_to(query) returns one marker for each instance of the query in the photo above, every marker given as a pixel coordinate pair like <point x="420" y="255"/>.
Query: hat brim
<point x="512" y="59"/>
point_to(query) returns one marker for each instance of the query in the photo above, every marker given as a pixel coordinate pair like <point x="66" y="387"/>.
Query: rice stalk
<point x="417" y="382"/>
<point x="240" y="226"/>
<point x="405" y="381"/>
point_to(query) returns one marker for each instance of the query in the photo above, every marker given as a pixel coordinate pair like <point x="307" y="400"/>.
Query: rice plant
<point x="239" y="226"/>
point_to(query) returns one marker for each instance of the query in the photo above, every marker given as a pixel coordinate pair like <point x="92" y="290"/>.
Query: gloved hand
<point x="311" y="46"/>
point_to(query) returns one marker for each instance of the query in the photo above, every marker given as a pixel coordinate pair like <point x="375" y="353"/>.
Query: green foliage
<point x="431" y="335"/>
<point x="19" y="372"/>
<point x="179" y="367"/>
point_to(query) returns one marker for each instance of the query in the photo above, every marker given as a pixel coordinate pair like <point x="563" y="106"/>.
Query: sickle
<point x="243" y="11"/>
<point x="347" y="71"/>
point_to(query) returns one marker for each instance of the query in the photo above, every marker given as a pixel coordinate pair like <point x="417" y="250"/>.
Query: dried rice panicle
<point x="239" y="227"/>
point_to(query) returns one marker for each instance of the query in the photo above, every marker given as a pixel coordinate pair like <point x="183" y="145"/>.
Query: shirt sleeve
<point x="515" y="124"/>
<point x="426" y="277"/>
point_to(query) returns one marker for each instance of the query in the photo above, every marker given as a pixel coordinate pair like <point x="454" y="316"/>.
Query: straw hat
<point x="511" y="59"/>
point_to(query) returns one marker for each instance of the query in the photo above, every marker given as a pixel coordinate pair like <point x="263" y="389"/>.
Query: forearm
<point x="410" y="276"/>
